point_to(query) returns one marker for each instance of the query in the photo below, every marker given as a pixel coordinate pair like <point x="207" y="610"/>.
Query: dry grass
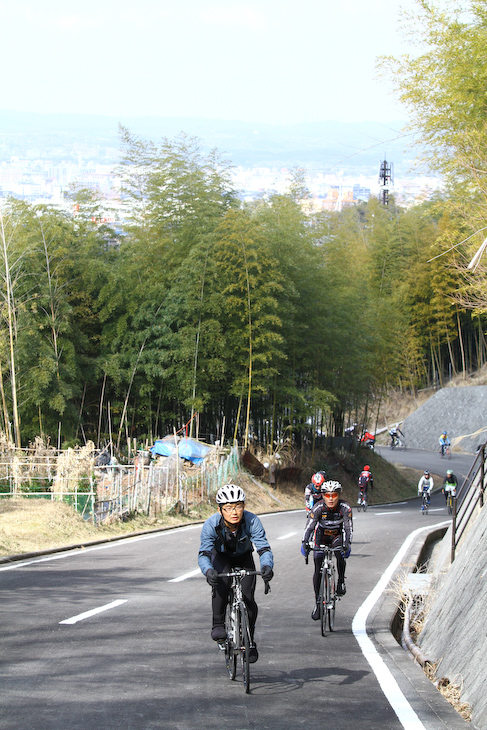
<point x="451" y="691"/>
<point x="33" y="524"/>
<point x="420" y="604"/>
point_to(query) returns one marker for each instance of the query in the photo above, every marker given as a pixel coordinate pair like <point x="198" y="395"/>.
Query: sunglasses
<point x="332" y="494"/>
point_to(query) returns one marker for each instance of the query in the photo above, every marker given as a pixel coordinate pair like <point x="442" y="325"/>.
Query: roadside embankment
<point x="459" y="411"/>
<point x="454" y="634"/>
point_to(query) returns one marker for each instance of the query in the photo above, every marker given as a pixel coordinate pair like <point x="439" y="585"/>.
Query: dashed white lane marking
<point x="405" y="713"/>
<point x="185" y="576"/>
<point x="289" y="534"/>
<point x="93" y="612"/>
<point x="387" y="513"/>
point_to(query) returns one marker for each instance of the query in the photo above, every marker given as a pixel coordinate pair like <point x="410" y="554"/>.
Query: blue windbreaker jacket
<point x="250" y="534"/>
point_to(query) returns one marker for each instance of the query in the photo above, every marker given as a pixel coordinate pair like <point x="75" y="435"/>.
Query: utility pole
<point x="386" y="178"/>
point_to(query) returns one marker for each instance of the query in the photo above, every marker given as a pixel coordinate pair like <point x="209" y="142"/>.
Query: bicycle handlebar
<point x="243" y="573"/>
<point x="323" y="548"/>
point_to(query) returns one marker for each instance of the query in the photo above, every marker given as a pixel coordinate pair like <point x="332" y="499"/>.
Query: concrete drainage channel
<point x="411" y="592"/>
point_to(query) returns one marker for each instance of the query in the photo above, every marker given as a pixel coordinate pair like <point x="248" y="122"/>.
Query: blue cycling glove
<point x="346" y="550"/>
<point x="304" y="550"/>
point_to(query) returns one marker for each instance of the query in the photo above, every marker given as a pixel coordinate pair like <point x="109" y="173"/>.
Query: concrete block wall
<point x="454" y="631"/>
<point x="462" y="412"/>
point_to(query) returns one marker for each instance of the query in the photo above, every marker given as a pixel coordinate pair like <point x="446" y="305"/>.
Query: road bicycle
<point x="398" y="443"/>
<point x="362" y="502"/>
<point x="425" y="503"/>
<point x="238" y="640"/>
<point x="451" y="496"/>
<point x="327" y="596"/>
<point x="445" y="452"/>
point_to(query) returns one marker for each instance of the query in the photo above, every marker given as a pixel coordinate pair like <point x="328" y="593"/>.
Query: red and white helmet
<point x="318" y="478"/>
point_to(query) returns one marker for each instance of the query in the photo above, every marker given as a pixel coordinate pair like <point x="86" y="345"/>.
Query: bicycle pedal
<point x="221" y="643"/>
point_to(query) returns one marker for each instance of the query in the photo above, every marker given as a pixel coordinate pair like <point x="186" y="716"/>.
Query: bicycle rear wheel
<point x="230" y="655"/>
<point x="244" y="635"/>
<point x="331" y="597"/>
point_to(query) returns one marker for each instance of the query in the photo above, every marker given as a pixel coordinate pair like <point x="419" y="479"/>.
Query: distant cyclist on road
<point x="394" y="433"/>
<point x="425" y="485"/>
<point x="312" y="492"/>
<point x="365" y="481"/>
<point x="450" y="484"/>
<point x="444" y="441"/>
<point x="331" y="524"/>
<point x="227" y="541"/>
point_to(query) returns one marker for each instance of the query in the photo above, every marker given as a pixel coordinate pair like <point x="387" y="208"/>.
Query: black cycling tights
<point x="225" y="564"/>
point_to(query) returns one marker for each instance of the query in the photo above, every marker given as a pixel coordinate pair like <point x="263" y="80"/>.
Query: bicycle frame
<point x="238" y="640"/>
<point x="327" y="597"/>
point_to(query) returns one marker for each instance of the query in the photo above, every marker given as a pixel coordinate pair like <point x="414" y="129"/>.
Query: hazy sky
<point x="271" y="61"/>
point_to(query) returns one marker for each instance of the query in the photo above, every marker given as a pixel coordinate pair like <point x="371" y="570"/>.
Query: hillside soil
<point x="30" y="525"/>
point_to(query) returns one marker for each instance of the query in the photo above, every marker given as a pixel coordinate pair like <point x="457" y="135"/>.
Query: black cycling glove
<point x="267" y="573"/>
<point x="212" y="577"/>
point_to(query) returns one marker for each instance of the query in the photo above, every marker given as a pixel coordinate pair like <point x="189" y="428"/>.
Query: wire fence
<point x="116" y="490"/>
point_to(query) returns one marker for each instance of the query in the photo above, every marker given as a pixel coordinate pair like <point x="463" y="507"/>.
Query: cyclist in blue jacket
<point x="227" y="541"/>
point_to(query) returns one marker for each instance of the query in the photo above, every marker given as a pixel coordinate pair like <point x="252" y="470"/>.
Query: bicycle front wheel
<point x="244" y="634"/>
<point x="322" y="601"/>
<point x="330" y="597"/>
<point x="230" y="654"/>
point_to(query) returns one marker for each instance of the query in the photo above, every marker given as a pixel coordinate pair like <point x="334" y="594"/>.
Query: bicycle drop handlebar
<point x="243" y="573"/>
<point x="322" y="549"/>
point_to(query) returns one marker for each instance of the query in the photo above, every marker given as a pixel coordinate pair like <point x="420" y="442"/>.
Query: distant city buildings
<point x="41" y="180"/>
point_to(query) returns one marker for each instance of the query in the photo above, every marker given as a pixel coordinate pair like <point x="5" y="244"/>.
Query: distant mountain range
<point x="354" y="148"/>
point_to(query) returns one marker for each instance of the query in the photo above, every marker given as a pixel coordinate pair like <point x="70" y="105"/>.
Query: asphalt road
<point x="459" y="463"/>
<point x="147" y="660"/>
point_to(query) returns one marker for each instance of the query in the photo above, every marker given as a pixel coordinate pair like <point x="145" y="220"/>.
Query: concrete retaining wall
<point x="462" y="412"/>
<point x="454" y="632"/>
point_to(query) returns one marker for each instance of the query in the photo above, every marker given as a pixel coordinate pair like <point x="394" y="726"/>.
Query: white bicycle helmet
<point x="230" y="493"/>
<point x="331" y="486"/>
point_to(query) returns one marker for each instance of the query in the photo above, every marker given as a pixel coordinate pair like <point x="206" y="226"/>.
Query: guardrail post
<point x="453" y="530"/>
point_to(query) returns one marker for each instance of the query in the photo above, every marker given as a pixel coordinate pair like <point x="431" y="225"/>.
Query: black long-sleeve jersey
<point x="330" y="523"/>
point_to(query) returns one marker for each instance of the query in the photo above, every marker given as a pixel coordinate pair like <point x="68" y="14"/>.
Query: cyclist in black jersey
<point x="312" y="492"/>
<point x="330" y="523"/>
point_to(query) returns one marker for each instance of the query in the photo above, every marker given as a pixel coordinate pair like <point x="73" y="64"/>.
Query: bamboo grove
<point x="261" y="317"/>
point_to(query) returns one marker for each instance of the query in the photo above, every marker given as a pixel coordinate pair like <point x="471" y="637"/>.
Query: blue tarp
<point x="187" y="449"/>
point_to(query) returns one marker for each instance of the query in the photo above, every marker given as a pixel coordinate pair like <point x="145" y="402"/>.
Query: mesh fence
<point x="113" y="491"/>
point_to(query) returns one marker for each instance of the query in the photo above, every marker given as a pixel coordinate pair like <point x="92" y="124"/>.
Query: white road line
<point x="103" y="546"/>
<point x="289" y="534"/>
<point x="185" y="576"/>
<point x="388" y="513"/>
<point x="93" y="612"/>
<point x="405" y="713"/>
